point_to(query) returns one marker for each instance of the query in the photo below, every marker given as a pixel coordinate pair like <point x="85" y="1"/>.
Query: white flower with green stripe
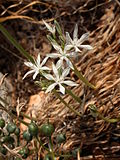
<point x="59" y="79"/>
<point x="50" y="28"/>
<point x="63" y="55"/>
<point x="77" y="43"/>
<point x="36" y="67"/>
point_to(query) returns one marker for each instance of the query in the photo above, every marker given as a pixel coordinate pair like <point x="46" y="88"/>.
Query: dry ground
<point x="101" y="66"/>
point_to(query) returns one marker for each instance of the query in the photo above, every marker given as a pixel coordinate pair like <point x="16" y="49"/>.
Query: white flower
<point x="59" y="79"/>
<point x="77" y="43"/>
<point x="36" y="67"/>
<point x="62" y="55"/>
<point x="51" y="29"/>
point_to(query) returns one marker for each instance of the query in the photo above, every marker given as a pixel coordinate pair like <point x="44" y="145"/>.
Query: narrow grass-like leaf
<point x="68" y="91"/>
<point x="51" y="39"/>
<point x="66" y="104"/>
<point x="96" y="113"/>
<point x="16" y="44"/>
<point x="58" y="27"/>
<point x="82" y="78"/>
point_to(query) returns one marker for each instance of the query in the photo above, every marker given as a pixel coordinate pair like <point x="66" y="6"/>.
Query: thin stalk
<point x="73" y="95"/>
<point x="112" y="120"/>
<point x="66" y="104"/>
<point x="24" y="115"/>
<point x="82" y="78"/>
<point x="97" y="114"/>
<point x="25" y="123"/>
<point x="41" y="144"/>
<point x="18" y="141"/>
<point x="51" y="148"/>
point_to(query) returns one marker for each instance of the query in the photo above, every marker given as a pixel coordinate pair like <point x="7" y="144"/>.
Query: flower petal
<point x="48" y="76"/>
<point x="77" y="49"/>
<point x="68" y="39"/>
<point x="51" y="87"/>
<point x="69" y="63"/>
<point x="65" y="73"/>
<point x="83" y="38"/>
<point x="38" y="60"/>
<point x="45" y="68"/>
<point x="29" y="72"/>
<point x="29" y="64"/>
<point x="70" y="83"/>
<point x="53" y="55"/>
<point x="75" y="33"/>
<point x="57" y="47"/>
<point x="62" y="89"/>
<point x="59" y="63"/>
<point x="88" y="47"/>
<point x="35" y="74"/>
<point x="55" y="71"/>
<point x="44" y="61"/>
<point x="52" y="30"/>
<point x="68" y="47"/>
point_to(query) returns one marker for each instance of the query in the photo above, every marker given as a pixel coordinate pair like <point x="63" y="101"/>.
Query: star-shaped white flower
<point x="77" y="43"/>
<point x="36" y="67"/>
<point x="62" y="54"/>
<point x="59" y="79"/>
<point x="51" y="29"/>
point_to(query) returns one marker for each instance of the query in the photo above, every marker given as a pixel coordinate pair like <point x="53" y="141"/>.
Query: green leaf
<point x="16" y="44"/>
<point x="66" y="104"/>
<point x="58" y="27"/>
<point x="68" y="91"/>
<point x="82" y="78"/>
<point x="51" y="39"/>
<point x="93" y="110"/>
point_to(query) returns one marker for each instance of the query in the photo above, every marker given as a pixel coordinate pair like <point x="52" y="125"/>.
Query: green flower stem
<point x="97" y="114"/>
<point x="66" y="104"/>
<point x="112" y="120"/>
<point x="15" y="43"/>
<point x="18" y="141"/>
<point x="82" y="78"/>
<point x="36" y="147"/>
<point x="41" y="144"/>
<point x="73" y="95"/>
<point x="25" y="123"/>
<point x="51" y="148"/>
<point x="31" y="118"/>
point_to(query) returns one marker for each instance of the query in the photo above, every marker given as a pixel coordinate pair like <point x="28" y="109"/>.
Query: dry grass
<point x="101" y="66"/>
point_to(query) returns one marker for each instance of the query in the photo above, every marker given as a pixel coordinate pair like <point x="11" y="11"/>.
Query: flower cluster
<point x="66" y="49"/>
